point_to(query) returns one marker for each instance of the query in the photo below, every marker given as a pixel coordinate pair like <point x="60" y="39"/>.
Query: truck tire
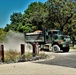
<point x="66" y="49"/>
<point x="56" y="48"/>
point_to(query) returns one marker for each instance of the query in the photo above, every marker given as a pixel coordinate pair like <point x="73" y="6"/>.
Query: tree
<point x="61" y="12"/>
<point x="53" y="14"/>
<point x="37" y="14"/>
<point x="2" y="35"/>
<point x="16" y="18"/>
<point x="28" y="28"/>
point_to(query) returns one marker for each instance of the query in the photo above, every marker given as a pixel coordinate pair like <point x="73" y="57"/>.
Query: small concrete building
<point x="14" y="40"/>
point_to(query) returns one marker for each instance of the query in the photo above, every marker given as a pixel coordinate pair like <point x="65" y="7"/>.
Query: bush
<point x="43" y="55"/>
<point x="11" y="56"/>
<point x="28" y="56"/>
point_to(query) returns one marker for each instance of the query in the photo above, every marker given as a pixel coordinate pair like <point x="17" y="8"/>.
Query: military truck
<point x="51" y="40"/>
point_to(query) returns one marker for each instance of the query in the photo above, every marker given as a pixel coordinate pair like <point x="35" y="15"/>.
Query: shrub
<point x="11" y="56"/>
<point x="28" y="56"/>
<point x="43" y="55"/>
<point x="14" y="56"/>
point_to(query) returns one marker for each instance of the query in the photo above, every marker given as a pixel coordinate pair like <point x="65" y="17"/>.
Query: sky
<point x="7" y="7"/>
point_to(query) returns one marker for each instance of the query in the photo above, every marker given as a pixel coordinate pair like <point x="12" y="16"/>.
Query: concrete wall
<point x="14" y="40"/>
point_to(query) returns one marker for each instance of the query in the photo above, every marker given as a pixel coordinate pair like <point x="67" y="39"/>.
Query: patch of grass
<point x="29" y="56"/>
<point x="42" y="55"/>
<point x="73" y="48"/>
<point x="11" y="56"/>
<point x="14" y="56"/>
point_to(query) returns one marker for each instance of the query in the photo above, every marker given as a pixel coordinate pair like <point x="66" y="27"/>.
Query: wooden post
<point x="35" y="49"/>
<point x="22" y="49"/>
<point x="2" y="53"/>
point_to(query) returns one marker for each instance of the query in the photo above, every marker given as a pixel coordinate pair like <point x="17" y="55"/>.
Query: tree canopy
<point x="53" y="14"/>
<point x="2" y="35"/>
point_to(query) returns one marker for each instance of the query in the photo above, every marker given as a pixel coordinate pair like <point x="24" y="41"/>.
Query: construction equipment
<point x="52" y="40"/>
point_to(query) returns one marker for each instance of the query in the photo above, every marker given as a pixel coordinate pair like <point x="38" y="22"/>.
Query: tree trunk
<point x="61" y="28"/>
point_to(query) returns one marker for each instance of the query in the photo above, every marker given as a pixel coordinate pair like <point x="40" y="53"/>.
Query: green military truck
<point x="52" y="40"/>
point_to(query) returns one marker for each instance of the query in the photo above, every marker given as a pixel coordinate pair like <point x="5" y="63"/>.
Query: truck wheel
<point x="56" y="48"/>
<point x="66" y="49"/>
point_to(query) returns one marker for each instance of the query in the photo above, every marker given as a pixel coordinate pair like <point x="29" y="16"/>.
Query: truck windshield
<point x="54" y="32"/>
<point x="57" y="32"/>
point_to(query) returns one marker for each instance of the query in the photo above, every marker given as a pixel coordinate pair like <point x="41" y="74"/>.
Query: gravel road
<point x="32" y="68"/>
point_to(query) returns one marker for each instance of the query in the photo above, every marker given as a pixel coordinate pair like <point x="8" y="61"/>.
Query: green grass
<point x="72" y="48"/>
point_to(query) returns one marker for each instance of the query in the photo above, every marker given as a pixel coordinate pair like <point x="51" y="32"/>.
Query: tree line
<point x="53" y="14"/>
